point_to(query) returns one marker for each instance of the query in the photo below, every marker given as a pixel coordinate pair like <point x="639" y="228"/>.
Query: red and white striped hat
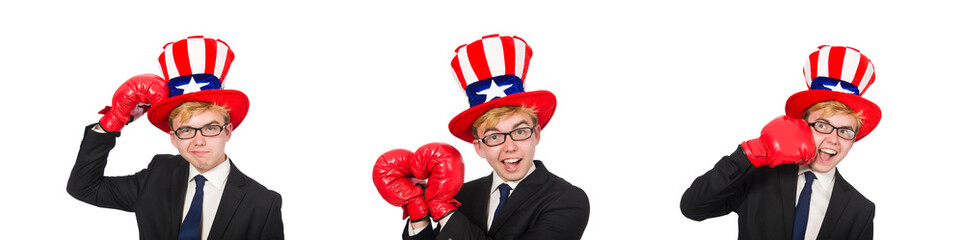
<point x="195" y="55"/>
<point x="840" y="74"/>
<point x="195" y="69"/>
<point x="492" y="72"/>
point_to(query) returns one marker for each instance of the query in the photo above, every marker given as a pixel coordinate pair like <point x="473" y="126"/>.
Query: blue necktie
<point x="503" y="196"/>
<point x="803" y="208"/>
<point x="191" y="227"/>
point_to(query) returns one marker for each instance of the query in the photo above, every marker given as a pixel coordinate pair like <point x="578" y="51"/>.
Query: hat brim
<point x="798" y="104"/>
<point x="235" y="101"/>
<point x="544" y="102"/>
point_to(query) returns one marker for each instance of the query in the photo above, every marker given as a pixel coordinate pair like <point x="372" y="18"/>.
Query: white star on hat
<point x="838" y="88"/>
<point x="494" y="91"/>
<point x="192" y="86"/>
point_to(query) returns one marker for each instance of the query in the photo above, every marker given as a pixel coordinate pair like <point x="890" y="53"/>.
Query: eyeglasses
<point x="843" y="132"/>
<point x="185" y="133"/>
<point x="497" y="139"/>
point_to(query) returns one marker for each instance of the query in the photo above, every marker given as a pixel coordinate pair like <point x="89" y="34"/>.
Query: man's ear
<point x="172" y="138"/>
<point x="537" y="133"/>
<point x="228" y="130"/>
<point x="478" y="147"/>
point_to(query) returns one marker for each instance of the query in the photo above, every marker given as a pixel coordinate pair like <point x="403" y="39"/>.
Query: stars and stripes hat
<point x="195" y="69"/>
<point x="840" y="74"/>
<point x="492" y="72"/>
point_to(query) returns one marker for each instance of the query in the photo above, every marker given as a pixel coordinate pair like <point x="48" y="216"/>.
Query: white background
<point x="650" y="96"/>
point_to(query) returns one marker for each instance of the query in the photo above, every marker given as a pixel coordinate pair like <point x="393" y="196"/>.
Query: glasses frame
<point x="196" y="130"/>
<point x="532" y="131"/>
<point x="832" y="129"/>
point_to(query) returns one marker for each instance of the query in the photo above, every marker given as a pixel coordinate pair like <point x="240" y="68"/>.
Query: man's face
<point x="512" y="159"/>
<point x="203" y="152"/>
<point x="831" y="148"/>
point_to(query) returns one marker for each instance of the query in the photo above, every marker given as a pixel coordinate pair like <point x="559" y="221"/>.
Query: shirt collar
<point x="217" y="176"/>
<point x="826" y="179"/>
<point x="496" y="180"/>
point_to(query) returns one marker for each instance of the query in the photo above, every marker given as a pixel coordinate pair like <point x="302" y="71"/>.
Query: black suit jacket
<point x="247" y="209"/>
<point x="543" y="206"/>
<point x="764" y="199"/>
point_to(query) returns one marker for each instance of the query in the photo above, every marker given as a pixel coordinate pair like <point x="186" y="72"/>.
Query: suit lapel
<point x="230" y="200"/>
<point x="179" y="185"/>
<point x="839" y="198"/>
<point x="788" y="191"/>
<point x="526" y="189"/>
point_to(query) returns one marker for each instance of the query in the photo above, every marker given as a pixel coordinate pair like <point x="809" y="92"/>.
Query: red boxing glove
<point x="132" y="99"/>
<point x="392" y="175"/>
<point x="784" y="140"/>
<point x="441" y="164"/>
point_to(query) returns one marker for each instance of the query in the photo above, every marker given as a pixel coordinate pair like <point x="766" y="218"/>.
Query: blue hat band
<point x="489" y="89"/>
<point x="193" y="83"/>
<point x="832" y="84"/>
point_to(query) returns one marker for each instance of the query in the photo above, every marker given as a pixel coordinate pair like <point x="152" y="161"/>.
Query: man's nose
<point x="834" y="136"/>
<point x="199" y="140"/>
<point x="510" y="145"/>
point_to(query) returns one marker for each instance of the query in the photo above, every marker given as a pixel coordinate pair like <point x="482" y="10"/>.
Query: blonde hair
<point x="831" y="107"/>
<point x="187" y="110"/>
<point x="492" y="117"/>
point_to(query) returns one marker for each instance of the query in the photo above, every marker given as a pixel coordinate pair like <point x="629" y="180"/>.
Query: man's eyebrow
<point x="520" y="123"/>
<point x="828" y="122"/>
<point x="213" y="122"/>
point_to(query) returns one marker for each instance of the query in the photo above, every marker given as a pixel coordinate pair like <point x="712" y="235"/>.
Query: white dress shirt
<point x="819" y="198"/>
<point x="213" y="188"/>
<point x="494" y="193"/>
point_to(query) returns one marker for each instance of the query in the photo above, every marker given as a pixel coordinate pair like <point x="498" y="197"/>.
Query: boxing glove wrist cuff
<point x="440" y="208"/>
<point x="439" y="219"/>
<point x="414" y="219"/>
<point x="416" y="210"/>
<point x="755" y="151"/>
<point x="112" y="123"/>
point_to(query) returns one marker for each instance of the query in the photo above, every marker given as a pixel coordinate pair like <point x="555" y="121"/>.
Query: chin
<point x="509" y="177"/>
<point x="822" y="167"/>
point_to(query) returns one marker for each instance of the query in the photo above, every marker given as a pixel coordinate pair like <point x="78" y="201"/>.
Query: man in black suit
<point x="521" y="199"/>
<point x="200" y="193"/>
<point x="785" y="184"/>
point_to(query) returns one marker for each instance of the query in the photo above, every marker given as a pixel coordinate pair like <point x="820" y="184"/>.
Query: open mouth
<point x="826" y="154"/>
<point x="511" y="164"/>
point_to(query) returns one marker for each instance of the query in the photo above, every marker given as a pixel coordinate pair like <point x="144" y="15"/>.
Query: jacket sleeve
<point x="867" y="232"/>
<point x="87" y="182"/>
<point x="274" y="227"/>
<point x="720" y="190"/>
